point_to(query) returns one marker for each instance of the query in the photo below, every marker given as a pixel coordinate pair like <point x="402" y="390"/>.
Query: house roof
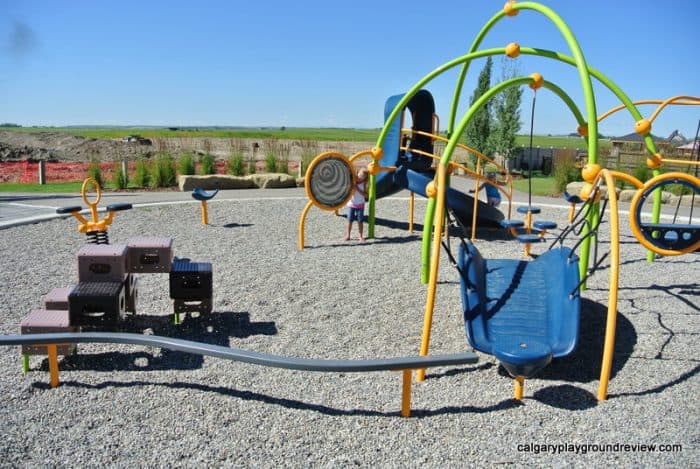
<point x="635" y="137"/>
<point x="690" y="146"/>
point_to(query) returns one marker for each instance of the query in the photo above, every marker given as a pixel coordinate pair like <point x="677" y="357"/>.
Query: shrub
<point x="162" y="171"/>
<point x="282" y="166"/>
<point x="141" y="174"/>
<point x="95" y="172"/>
<point x="270" y="162"/>
<point x="236" y="165"/>
<point x="120" y="179"/>
<point x="642" y="171"/>
<point x="678" y="189"/>
<point x="207" y="164"/>
<point x="309" y="150"/>
<point x="167" y="168"/>
<point x="306" y="158"/>
<point x="490" y="168"/>
<point x="251" y="166"/>
<point x="185" y="164"/>
<point x="620" y="183"/>
<point x="565" y="171"/>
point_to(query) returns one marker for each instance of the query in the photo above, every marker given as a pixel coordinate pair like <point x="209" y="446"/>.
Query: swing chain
<point x="454" y="221"/>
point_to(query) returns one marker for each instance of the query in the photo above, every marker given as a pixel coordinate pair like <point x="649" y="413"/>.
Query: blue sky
<point x="321" y="63"/>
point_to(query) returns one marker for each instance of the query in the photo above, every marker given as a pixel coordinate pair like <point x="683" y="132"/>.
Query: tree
<point x="506" y="109"/>
<point x="479" y="128"/>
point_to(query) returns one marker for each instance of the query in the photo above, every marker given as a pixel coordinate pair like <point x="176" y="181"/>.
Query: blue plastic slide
<point x="461" y="204"/>
<point x="413" y="171"/>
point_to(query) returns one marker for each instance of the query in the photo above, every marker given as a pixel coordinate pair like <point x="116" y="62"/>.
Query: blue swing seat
<point x="521" y="311"/>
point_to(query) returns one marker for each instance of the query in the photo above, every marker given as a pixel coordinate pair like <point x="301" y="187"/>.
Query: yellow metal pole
<point x="434" y="266"/>
<point x="510" y="196"/>
<point x="302" y="220"/>
<point x="53" y="364"/>
<point x="476" y="198"/>
<point x="475" y="208"/>
<point x="519" y="386"/>
<point x="411" y="206"/>
<point x="528" y="221"/>
<point x="611" y="322"/>
<point x="406" y="393"/>
<point x="205" y="216"/>
<point x="528" y="224"/>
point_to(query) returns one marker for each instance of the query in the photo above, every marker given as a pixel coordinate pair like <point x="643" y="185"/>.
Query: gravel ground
<point x="135" y="406"/>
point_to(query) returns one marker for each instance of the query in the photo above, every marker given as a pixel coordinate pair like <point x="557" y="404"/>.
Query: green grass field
<point x="334" y="134"/>
<point x="51" y="187"/>
<point x="291" y="133"/>
<point x="541" y="185"/>
<point x="546" y="141"/>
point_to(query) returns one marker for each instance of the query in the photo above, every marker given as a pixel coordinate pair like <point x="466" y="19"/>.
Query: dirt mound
<point x="56" y="146"/>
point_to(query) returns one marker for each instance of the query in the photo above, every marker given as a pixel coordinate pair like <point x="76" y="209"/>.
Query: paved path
<point x="21" y="208"/>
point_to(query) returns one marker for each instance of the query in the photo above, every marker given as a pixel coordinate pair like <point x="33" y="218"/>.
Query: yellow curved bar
<point x="674" y="100"/>
<point x="693" y="100"/>
<point x="434" y="265"/>
<point x="360" y="154"/>
<point x="471" y="172"/>
<point x="480" y="157"/>
<point x="477" y="177"/>
<point x="611" y="322"/>
<point x="476" y="153"/>
<point x="634" y="225"/>
<point x="626" y="177"/>
<point x="302" y="222"/>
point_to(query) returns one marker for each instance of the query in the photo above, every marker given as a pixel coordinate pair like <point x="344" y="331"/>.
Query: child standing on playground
<point x="493" y="195"/>
<point x="356" y="204"/>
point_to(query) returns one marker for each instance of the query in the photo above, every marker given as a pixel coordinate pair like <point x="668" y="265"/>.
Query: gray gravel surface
<point x="135" y="406"/>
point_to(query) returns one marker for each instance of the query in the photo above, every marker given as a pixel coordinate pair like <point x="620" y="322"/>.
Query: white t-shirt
<point x="358" y="199"/>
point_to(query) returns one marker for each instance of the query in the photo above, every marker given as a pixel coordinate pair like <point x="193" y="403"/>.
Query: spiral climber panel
<point x="331" y="181"/>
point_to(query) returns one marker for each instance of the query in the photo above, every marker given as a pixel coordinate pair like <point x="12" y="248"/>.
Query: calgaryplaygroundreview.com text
<point x="584" y="448"/>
